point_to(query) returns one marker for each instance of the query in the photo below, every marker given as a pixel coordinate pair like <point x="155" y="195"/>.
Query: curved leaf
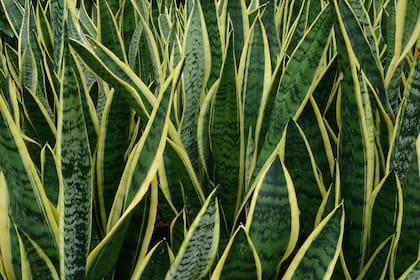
<point x="273" y="218"/>
<point x="239" y="259"/>
<point x="303" y="66"/>
<point x="199" y="247"/>
<point x="403" y="161"/>
<point x="318" y="255"/>
<point x="195" y="76"/>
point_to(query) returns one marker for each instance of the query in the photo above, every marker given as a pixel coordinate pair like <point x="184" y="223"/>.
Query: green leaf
<point x="138" y="236"/>
<point x="239" y="259"/>
<point x="7" y="250"/>
<point x="291" y="95"/>
<point x="377" y="265"/>
<point x="403" y="161"/>
<point x="319" y="253"/>
<point x="155" y="264"/>
<point x="355" y="155"/>
<point x="413" y="272"/>
<point x="39" y="264"/>
<point x="385" y="202"/>
<point x="199" y="247"/>
<point x="318" y="135"/>
<point x="14" y="14"/>
<point x="257" y="73"/>
<point x="57" y="15"/>
<point x="139" y="172"/>
<point x="213" y="29"/>
<point x="113" y="71"/>
<point x="273" y="218"/>
<point x="225" y="138"/>
<point x="195" y="76"/>
<point x="76" y="169"/>
<point x="109" y="32"/>
<point x="28" y="206"/>
<point x="235" y="11"/>
<point x="177" y="231"/>
<point x="49" y="172"/>
<point x="298" y="159"/>
<point x="85" y="21"/>
<point x="112" y="145"/>
<point x="368" y="61"/>
<point x="269" y="21"/>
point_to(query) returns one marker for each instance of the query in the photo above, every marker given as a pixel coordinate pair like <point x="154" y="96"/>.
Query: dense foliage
<point x="228" y="139"/>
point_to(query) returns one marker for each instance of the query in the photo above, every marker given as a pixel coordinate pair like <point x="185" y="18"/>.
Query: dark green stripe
<point x="25" y="209"/>
<point x="198" y="253"/>
<point x="158" y="264"/>
<point x="318" y="258"/>
<point x="298" y="163"/>
<point x="270" y="228"/>
<point x="352" y="162"/>
<point x="240" y="263"/>
<point x="225" y="137"/>
<point x="76" y="171"/>
<point x="404" y="163"/>
<point x="295" y="83"/>
<point x="194" y="80"/>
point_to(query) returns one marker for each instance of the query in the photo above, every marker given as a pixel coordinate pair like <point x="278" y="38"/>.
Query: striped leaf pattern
<point x="158" y="263"/>
<point x="199" y="247"/>
<point x="225" y="136"/>
<point x="240" y="260"/>
<point x="317" y="256"/>
<point x="291" y="94"/>
<point x="27" y="206"/>
<point x="242" y="129"/>
<point x="273" y="220"/>
<point x="298" y="161"/>
<point x="403" y="161"/>
<point x="195" y="75"/>
<point x="76" y="174"/>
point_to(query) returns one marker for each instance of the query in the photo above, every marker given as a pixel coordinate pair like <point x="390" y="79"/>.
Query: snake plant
<point x="220" y="139"/>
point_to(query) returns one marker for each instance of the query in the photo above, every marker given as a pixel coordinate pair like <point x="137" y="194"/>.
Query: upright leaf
<point x="112" y="145"/>
<point x="291" y="94"/>
<point x="318" y="255"/>
<point x="273" y="218"/>
<point x="355" y="155"/>
<point x="239" y="260"/>
<point x="298" y="159"/>
<point x="225" y="137"/>
<point x="109" y="32"/>
<point x="28" y="206"/>
<point x="139" y="172"/>
<point x="76" y="168"/>
<point x="57" y="15"/>
<point x="195" y="76"/>
<point x="213" y="29"/>
<point x="403" y="161"/>
<point x="199" y="247"/>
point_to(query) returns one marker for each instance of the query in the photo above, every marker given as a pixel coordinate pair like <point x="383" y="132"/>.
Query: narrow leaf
<point x="75" y="165"/>
<point x="199" y="248"/>
<point x="318" y="255"/>
<point x="273" y="218"/>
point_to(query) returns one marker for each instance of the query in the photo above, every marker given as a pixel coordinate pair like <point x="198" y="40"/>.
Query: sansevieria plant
<point x="212" y="139"/>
